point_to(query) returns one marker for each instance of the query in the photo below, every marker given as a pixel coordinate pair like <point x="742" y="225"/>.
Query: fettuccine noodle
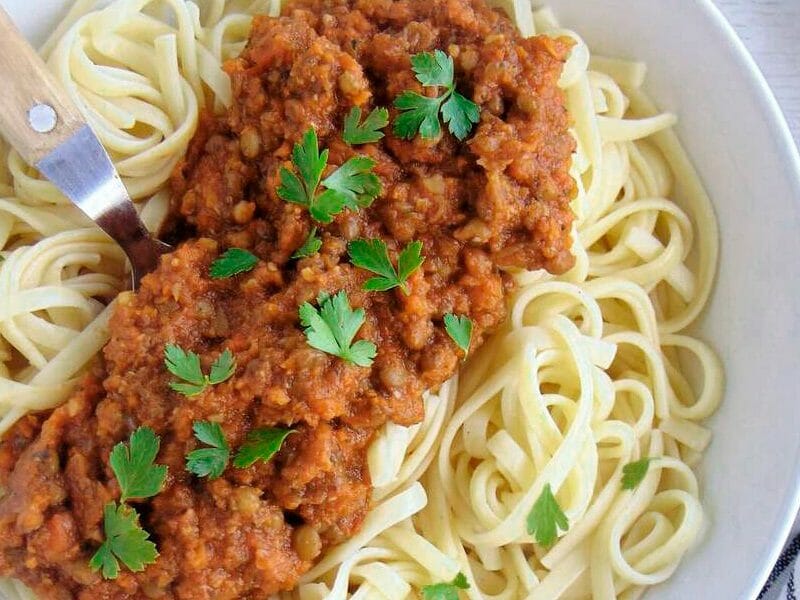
<point x="591" y="371"/>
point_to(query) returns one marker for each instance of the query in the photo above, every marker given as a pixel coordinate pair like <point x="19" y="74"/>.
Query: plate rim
<point x="778" y="127"/>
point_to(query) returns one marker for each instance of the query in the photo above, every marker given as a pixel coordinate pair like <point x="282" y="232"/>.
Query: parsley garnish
<point x="209" y="462"/>
<point x="546" y="518"/>
<point x="138" y="477"/>
<point x="446" y="591"/>
<point x="459" y="329"/>
<point x="421" y="114"/>
<point x="303" y="190"/>
<point x="261" y="444"/>
<point x="372" y="255"/>
<point x="353" y="185"/>
<point x="310" y="247"/>
<point x="356" y="182"/>
<point x="133" y="465"/>
<point x="233" y="262"/>
<point x="368" y="131"/>
<point x="186" y="366"/>
<point x="634" y="473"/>
<point x="125" y="540"/>
<point x="332" y="327"/>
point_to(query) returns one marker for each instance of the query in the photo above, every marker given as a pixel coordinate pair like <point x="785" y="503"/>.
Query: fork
<point x="38" y="118"/>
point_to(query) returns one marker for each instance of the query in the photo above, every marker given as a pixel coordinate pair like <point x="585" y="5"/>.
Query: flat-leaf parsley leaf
<point x="223" y="368"/>
<point x="546" y="518"/>
<point x="460" y="114"/>
<point x="356" y="182"/>
<point x="433" y="68"/>
<point x="310" y="163"/>
<point x="420" y="114"/>
<point x="367" y="132"/>
<point x="332" y="327"/>
<point x="209" y="462"/>
<point x="445" y="591"/>
<point x="261" y="444"/>
<point x="233" y="262"/>
<point x="372" y="255"/>
<point x="125" y="540"/>
<point x="186" y="366"/>
<point x="134" y="468"/>
<point x="459" y="329"/>
<point x="352" y="185"/>
<point x="634" y="473"/>
<point x="310" y="247"/>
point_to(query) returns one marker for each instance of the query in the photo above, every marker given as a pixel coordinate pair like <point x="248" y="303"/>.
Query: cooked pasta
<point x="594" y="369"/>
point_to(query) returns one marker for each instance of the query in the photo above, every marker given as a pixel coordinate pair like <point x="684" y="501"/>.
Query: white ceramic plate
<point x="741" y="145"/>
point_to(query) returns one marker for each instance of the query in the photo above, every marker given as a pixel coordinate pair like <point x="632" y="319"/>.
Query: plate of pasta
<point x="467" y="299"/>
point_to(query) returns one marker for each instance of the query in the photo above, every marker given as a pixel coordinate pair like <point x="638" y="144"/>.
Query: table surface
<point x="771" y="31"/>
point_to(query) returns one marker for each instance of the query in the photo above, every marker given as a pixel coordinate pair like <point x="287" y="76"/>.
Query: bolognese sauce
<point x="497" y="201"/>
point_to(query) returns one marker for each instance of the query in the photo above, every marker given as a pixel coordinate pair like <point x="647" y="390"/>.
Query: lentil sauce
<point x="497" y="201"/>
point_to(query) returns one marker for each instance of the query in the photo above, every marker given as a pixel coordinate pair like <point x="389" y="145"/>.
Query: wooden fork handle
<point x="36" y="114"/>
